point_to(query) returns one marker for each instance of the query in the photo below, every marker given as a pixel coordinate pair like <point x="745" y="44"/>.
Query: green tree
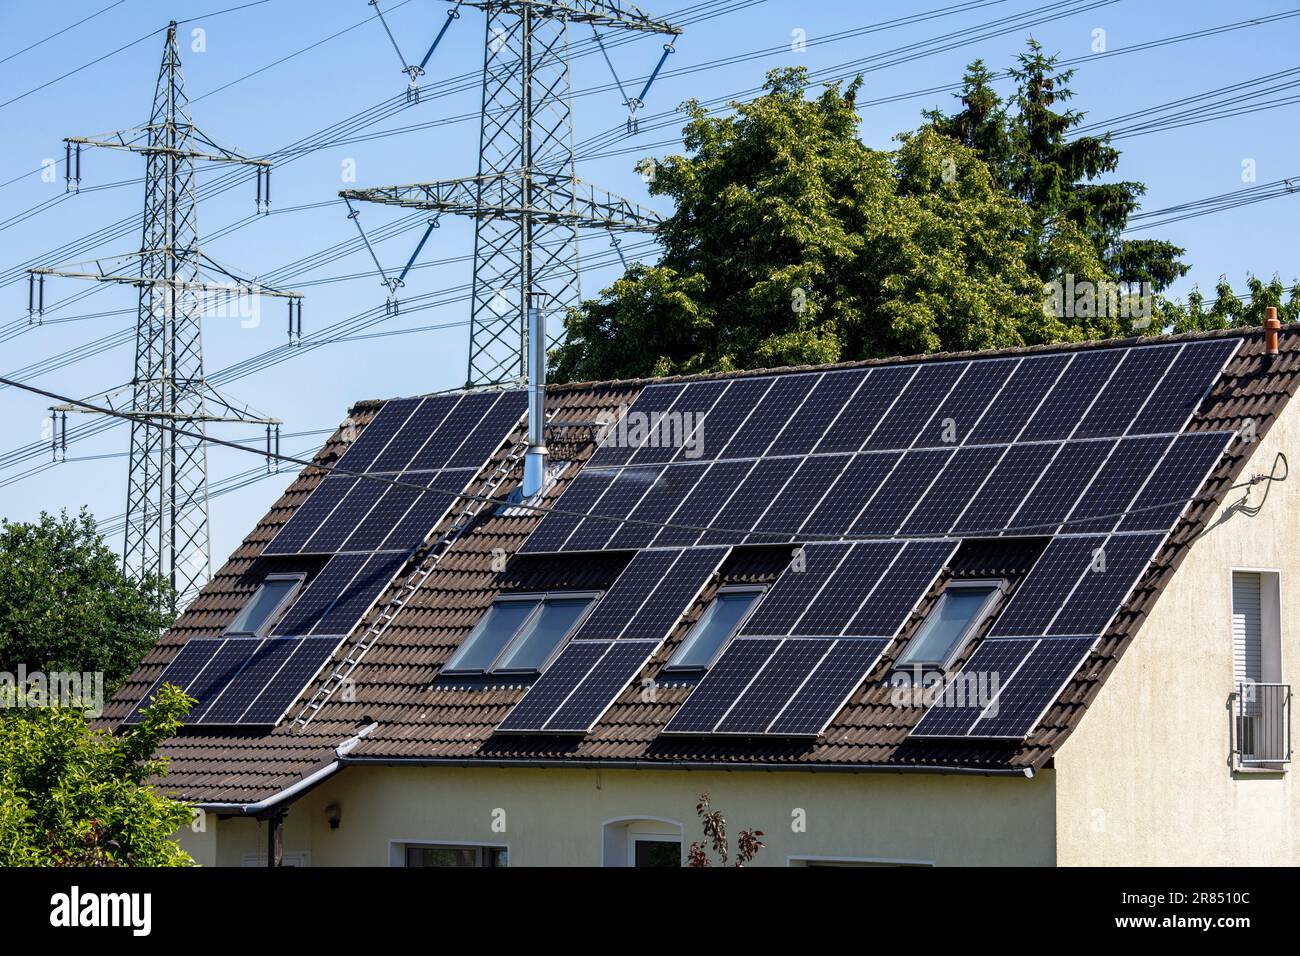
<point x="1228" y="311"/>
<point x="791" y="241"/>
<point x="73" y="796"/>
<point x="1028" y="144"/>
<point x="65" y="604"/>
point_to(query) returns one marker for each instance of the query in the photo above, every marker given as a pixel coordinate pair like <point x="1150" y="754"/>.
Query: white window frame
<point x="298" y="577"/>
<point x="540" y="598"/>
<point x="756" y="589"/>
<point x="1000" y="588"/>
<point x="397" y="849"/>
<point x="1272" y="663"/>
<point x="667" y="831"/>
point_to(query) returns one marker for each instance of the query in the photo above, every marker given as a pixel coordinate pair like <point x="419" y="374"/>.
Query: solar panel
<point x="900" y="491"/>
<point x="871" y="403"/>
<point x="304" y="522"/>
<point x="952" y="490"/>
<point x="1059" y="413"/>
<point x="701" y="506"/>
<point x="414" y="433"/>
<point x="491" y="430"/>
<point x="654" y="590"/>
<point x="553" y="688"/>
<point x="224" y="665"/>
<point x="264" y="664"/>
<point x="579" y="497"/>
<point x="901" y="588"/>
<point x="1115" y="485"/>
<point x="828" y="688"/>
<point x="374" y="438"/>
<point x="290" y="680"/>
<point x="182" y="671"/>
<point x="1044" y="590"/>
<point x="677" y="428"/>
<point x="620" y="663"/>
<point x="992" y="505"/>
<point x="429" y="508"/>
<point x="361" y="593"/>
<point x="751" y="499"/>
<point x="1186" y="383"/>
<point x="807" y="425"/>
<point x="852" y="581"/>
<point x="315" y="601"/>
<point x="714" y="695"/>
<point x="1018" y="400"/>
<point x="661" y="499"/>
<point x="773" y="686"/>
<point x="1039" y="681"/>
<point x="985" y="674"/>
<point x="726" y="417"/>
<point x="966" y="404"/>
<point x="1180" y="473"/>
<point x="777" y="406"/>
<point x="620" y="440"/>
<point x="1140" y="370"/>
<point x="924" y="393"/>
<point x="795" y="589"/>
<point x="346" y="518"/>
<point x="440" y="446"/>
<point x="792" y="505"/>
<point x="1060" y="486"/>
<point x="393" y="504"/>
<point x="857" y="483"/>
<point x="1104" y="584"/>
<point x="630" y="485"/>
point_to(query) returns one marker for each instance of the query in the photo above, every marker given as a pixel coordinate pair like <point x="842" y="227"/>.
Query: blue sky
<point x="359" y="69"/>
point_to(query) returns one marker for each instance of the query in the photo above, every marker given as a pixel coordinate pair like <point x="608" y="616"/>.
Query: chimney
<point x="535" y="459"/>
<point x="1271" y="327"/>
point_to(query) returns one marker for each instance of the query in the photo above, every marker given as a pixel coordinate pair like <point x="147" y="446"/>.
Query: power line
<point x="59" y="33"/>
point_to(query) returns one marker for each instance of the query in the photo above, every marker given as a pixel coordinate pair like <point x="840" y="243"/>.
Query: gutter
<point x="292" y="793"/>
<point x="534" y="764"/>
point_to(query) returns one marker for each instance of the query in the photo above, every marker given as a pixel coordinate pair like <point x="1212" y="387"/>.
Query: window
<point x="657" y="852"/>
<point x="520" y="633"/>
<point x="959" y="611"/>
<point x="1261" y="703"/>
<point x="715" y="627"/>
<point x="454" y="855"/>
<point x="270" y="599"/>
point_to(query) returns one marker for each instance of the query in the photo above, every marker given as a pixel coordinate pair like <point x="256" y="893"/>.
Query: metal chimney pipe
<point x="535" y="459"/>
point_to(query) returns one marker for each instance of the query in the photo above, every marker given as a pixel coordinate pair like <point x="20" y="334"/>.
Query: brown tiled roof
<point x="419" y="719"/>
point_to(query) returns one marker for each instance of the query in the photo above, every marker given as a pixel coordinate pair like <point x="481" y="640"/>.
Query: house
<point x="1026" y="606"/>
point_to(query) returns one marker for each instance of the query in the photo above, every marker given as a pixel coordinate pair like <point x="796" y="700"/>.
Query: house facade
<point x="1160" y="739"/>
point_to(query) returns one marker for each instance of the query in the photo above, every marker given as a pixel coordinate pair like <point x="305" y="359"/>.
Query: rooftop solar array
<point x="813" y="639"/>
<point x="242" y="680"/>
<point x="895" y="450"/>
<point x="1086" y="448"/>
<point x="369" y="528"/>
<point x="439" y="441"/>
<point x="1053" y="621"/>
<point x="616" y="640"/>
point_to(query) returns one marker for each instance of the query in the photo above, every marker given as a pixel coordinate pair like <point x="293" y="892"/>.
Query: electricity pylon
<point x="527" y="200"/>
<point x="167" y="482"/>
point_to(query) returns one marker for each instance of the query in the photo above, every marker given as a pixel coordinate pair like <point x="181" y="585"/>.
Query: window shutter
<point x="1247" y="630"/>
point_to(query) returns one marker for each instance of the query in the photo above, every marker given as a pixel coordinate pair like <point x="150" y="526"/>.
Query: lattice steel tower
<point x="527" y="201"/>
<point x="167" y="482"/>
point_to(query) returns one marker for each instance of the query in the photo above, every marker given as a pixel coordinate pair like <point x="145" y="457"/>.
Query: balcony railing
<point x="1261" y="725"/>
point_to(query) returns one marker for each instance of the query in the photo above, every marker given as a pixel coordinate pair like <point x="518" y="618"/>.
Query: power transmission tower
<point x="167" y="483"/>
<point x="527" y="200"/>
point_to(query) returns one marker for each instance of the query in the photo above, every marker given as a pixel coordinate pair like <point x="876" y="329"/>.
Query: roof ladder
<point x="470" y="509"/>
